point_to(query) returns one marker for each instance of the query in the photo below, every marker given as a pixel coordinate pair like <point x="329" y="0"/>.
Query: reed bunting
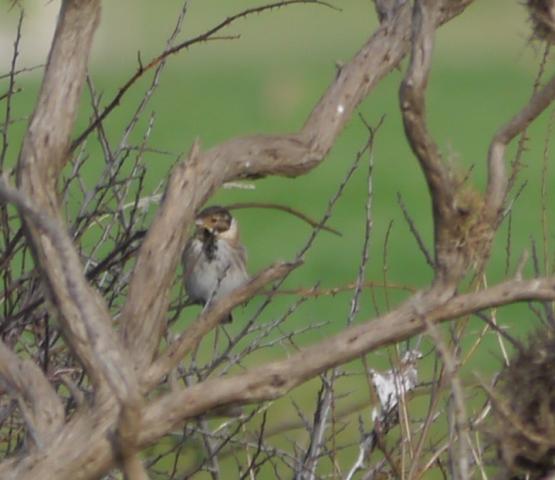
<point x="214" y="260"/>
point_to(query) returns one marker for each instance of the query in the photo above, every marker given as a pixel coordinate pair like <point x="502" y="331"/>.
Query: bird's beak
<point x="201" y="225"/>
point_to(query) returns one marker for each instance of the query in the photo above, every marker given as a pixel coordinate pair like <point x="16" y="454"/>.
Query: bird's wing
<point x="190" y="256"/>
<point x="242" y="257"/>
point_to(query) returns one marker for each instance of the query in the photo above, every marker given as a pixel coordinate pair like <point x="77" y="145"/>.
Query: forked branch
<point x="448" y="264"/>
<point x="189" y="339"/>
<point x="253" y="157"/>
<point x="82" y="313"/>
<point x="497" y="177"/>
<point x="277" y="378"/>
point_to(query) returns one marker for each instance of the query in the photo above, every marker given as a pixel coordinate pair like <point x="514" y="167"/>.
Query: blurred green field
<point x="267" y="81"/>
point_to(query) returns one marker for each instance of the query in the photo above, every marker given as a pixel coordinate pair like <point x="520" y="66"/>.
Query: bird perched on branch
<point x="214" y="260"/>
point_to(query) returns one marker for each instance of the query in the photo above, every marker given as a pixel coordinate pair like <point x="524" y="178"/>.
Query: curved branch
<point x="253" y="157"/>
<point x="277" y="378"/>
<point x="42" y="157"/>
<point x="191" y="336"/>
<point x="82" y="313"/>
<point x="497" y="176"/>
<point x="93" y="456"/>
<point x="413" y="107"/>
<point x="286" y="209"/>
<point x="27" y="381"/>
<point x="412" y="96"/>
<point x="89" y="435"/>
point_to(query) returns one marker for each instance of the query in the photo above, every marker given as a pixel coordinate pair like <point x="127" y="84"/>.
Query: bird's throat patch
<point x="209" y="245"/>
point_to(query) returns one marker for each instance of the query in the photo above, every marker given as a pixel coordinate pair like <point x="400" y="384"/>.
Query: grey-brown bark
<point x="120" y="420"/>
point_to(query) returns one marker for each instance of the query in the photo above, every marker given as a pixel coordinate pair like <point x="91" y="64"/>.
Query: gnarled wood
<point x="117" y="423"/>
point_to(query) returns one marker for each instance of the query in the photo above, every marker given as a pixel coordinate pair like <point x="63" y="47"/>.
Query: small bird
<point x="214" y="260"/>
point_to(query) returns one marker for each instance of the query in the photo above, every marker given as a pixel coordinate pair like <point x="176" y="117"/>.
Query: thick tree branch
<point x="440" y="183"/>
<point x="82" y="313"/>
<point x="89" y="436"/>
<point x="47" y="140"/>
<point x="107" y="360"/>
<point x="265" y="383"/>
<point x="43" y="155"/>
<point x="42" y="408"/>
<point x="413" y="107"/>
<point x="147" y="303"/>
<point x="277" y="378"/>
<point x="252" y="157"/>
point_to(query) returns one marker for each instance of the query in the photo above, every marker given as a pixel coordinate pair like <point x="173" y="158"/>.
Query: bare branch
<point x="277" y="378"/>
<point x="459" y="456"/>
<point x="332" y="291"/>
<point x="415" y="233"/>
<point x="291" y="155"/>
<point x="84" y="316"/>
<point x="147" y="302"/>
<point x="412" y="98"/>
<point x="44" y="153"/>
<point x="191" y="337"/>
<point x="45" y="148"/>
<point x="133" y="468"/>
<point x="11" y="91"/>
<point x="283" y="208"/>
<point x="26" y="381"/>
<point x="203" y="37"/>
<point x="103" y="357"/>
<point x="497" y="176"/>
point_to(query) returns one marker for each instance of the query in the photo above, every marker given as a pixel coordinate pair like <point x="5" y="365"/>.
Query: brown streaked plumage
<point x="214" y="260"/>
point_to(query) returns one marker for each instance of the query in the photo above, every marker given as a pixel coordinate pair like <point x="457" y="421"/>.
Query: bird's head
<point x="218" y="222"/>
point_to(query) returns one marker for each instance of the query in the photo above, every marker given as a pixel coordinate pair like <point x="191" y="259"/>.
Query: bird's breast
<point x="214" y="270"/>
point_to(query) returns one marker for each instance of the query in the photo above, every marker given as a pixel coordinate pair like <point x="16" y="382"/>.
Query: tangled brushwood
<point x="105" y="375"/>
<point x="524" y="409"/>
<point x="542" y="16"/>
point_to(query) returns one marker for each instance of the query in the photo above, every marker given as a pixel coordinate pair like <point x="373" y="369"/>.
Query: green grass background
<point x="267" y="81"/>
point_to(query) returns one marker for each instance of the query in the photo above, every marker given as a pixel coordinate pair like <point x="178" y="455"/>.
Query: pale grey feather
<point x="208" y="279"/>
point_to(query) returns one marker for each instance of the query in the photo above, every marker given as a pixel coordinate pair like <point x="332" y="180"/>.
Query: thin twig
<point x="283" y="208"/>
<point x="203" y="37"/>
<point x="414" y="231"/>
<point x="11" y="90"/>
